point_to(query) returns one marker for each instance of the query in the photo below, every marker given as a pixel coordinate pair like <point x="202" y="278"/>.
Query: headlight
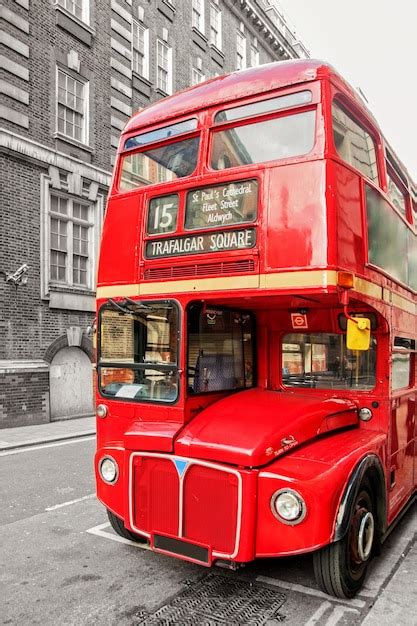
<point x="109" y="470"/>
<point x="365" y="414"/>
<point x="101" y="410"/>
<point x="288" y="506"/>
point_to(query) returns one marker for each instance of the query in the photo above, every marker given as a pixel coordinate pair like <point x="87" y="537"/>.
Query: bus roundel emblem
<point x="299" y="321"/>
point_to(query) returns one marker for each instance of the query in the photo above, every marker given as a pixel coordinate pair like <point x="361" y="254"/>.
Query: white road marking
<point x="98" y="530"/>
<point x="316" y="617"/>
<point x="308" y="591"/>
<point x="337" y="613"/>
<point x="59" y="506"/>
<point x="46" y="445"/>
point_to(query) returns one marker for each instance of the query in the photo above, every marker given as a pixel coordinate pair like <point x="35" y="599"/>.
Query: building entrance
<point x="71" y="384"/>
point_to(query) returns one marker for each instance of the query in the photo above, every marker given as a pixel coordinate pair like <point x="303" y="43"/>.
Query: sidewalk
<point x="396" y="602"/>
<point x="53" y="431"/>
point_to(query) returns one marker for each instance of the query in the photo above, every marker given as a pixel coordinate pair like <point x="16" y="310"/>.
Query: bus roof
<point x="229" y="87"/>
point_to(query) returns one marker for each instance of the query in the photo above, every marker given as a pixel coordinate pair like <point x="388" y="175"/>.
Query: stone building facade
<point x="71" y="74"/>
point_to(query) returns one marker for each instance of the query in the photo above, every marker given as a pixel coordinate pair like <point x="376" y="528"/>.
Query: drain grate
<point x="217" y="600"/>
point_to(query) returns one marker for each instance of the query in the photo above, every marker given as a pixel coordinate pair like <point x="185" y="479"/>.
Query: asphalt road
<point x="60" y="563"/>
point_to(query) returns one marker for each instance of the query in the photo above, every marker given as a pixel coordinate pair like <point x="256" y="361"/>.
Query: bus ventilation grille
<point x="206" y="269"/>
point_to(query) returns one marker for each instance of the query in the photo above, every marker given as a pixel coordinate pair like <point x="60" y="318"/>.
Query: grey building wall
<point x="40" y="162"/>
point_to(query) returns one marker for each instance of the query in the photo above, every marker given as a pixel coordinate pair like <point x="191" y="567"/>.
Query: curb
<point x="34" y="442"/>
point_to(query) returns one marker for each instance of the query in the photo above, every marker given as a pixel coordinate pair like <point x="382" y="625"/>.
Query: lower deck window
<point x="220" y="350"/>
<point x="322" y="361"/>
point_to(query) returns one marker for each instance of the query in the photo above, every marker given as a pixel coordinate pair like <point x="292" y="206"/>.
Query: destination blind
<point x="219" y="241"/>
<point x="222" y="205"/>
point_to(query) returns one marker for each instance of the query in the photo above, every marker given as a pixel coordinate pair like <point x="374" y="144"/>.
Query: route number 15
<point x="162" y="215"/>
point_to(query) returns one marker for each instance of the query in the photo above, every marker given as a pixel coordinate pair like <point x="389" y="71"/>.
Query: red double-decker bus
<point x="251" y="220"/>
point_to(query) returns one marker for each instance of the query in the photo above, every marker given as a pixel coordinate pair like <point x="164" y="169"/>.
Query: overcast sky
<point x="373" y="44"/>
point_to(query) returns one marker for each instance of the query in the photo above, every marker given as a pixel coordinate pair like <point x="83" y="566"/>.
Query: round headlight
<point x="365" y="414"/>
<point x="109" y="470"/>
<point x="101" y="410"/>
<point x="288" y="506"/>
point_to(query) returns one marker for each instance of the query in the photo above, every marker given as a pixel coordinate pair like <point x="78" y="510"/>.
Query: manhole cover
<point x="218" y="600"/>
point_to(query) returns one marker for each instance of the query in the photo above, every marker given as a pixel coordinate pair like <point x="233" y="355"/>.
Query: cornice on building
<point x="284" y="48"/>
<point x="33" y="151"/>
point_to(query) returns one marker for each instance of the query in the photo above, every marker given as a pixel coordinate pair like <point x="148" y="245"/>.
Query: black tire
<point x="340" y="568"/>
<point x="120" y="529"/>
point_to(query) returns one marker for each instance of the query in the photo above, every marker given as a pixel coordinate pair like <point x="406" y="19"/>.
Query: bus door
<point x="403" y="423"/>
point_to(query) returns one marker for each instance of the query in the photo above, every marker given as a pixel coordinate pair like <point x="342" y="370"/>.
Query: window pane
<point x="161" y="133"/>
<point x="264" y="106"/>
<point x="396" y="195"/>
<point x="322" y="361"/>
<point x="220" y="357"/>
<point x="143" y="344"/>
<point x="71" y="102"/>
<point x="401" y="369"/>
<point x="353" y="143"/>
<point x="176" y="159"/>
<point x="279" y="138"/>
<point x="387" y="236"/>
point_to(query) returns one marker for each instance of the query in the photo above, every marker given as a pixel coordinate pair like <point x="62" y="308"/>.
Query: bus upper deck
<point x="198" y="176"/>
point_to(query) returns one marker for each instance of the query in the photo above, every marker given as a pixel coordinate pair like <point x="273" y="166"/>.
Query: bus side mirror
<point x="358" y="335"/>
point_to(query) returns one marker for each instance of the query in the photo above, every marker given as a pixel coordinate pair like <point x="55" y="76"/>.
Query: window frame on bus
<point x="358" y="117"/>
<point x="394" y="174"/>
<point x="315" y="103"/>
<point x="189" y="134"/>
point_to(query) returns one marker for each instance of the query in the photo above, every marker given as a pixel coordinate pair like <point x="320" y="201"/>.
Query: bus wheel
<point x="340" y="568"/>
<point x="120" y="529"/>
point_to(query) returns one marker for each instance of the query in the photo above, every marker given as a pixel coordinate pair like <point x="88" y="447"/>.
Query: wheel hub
<point x="365" y="535"/>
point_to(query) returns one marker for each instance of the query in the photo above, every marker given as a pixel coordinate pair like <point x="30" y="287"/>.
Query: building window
<point x="164" y="67"/>
<point x="240" y="51"/>
<point x="140" y="49"/>
<point x="215" y="26"/>
<point x="198" y="15"/>
<point x="79" y="8"/>
<point x="254" y="56"/>
<point x="70" y="241"/>
<point x="72" y="106"/>
<point x="197" y="76"/>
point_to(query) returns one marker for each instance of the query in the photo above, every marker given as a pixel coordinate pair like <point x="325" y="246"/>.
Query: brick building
<point x="71" y="73"/>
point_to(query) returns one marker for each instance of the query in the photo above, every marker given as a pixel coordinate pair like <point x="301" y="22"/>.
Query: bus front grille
<point x="195" y="501"/>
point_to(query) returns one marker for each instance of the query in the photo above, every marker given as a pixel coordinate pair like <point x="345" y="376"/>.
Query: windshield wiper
<point x="118" y="306"/>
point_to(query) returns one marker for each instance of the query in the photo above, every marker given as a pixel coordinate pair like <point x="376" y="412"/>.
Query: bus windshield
<point x="138" y="345"/>
<point x="157" y="165"/>
<point x="322" y="361"/>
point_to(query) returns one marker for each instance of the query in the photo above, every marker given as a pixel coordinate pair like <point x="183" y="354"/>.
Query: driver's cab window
<point x="220" y="349"/>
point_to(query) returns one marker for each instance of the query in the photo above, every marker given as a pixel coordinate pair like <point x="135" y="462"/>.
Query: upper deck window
<point x="160" y="134"/>
<point x="353" y="143"/>
<point x="279" y="138"/>
<point x="264" y="106"/>
<point x="156" y="165"/>
<point x="396" y="194"/>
